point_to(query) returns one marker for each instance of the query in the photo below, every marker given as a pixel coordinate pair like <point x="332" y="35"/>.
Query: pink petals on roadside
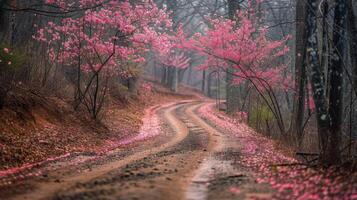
<point x="235" y="190"/>
<point x="150" y="128"/>
<point x="290" y="182"/>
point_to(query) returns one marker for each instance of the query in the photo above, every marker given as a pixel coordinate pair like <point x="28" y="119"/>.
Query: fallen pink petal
<point x="178" y="99"/>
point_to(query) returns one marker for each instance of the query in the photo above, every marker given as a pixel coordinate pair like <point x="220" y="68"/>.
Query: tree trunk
<point x="203" y="81"/>
<point x="2" y="19"/>
<point x="328" y="112"/>
<point x="174" y="79"/>
<point x="352" y="33"/>
<point x="164" y="75"/>
<point x="209" y="85"/>
<point x="173" y="71"/>
<point x="232" y="91"/>
<point x="300" y="72"/>
<point x="336" y="78"/>
<point x="3" y="94"/>
<point x="316" y="72"/>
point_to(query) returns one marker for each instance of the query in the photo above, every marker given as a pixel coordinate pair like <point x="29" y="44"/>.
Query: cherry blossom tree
<point x="172" y="55"/>
<point x="242" y="45"/>
<point x="96" y="42"/>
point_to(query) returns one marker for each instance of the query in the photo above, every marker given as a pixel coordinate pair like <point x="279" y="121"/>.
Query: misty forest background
<point x="317" y="116"/>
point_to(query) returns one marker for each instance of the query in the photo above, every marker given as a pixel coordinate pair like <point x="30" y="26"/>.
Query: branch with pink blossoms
<point x="96" y="43"/>
<point x="242" y="46"/>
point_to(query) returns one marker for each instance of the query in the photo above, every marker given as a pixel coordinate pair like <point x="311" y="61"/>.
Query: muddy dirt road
<point x="190" y="159"/>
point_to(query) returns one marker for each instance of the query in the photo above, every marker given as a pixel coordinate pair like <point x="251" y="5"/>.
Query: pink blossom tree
<point x="95" y="42"/>
<point x="242" y="45"/>
<point x="172" y="55"/>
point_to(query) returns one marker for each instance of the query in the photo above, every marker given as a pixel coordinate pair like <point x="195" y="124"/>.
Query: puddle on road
<point x="209" y="169"/>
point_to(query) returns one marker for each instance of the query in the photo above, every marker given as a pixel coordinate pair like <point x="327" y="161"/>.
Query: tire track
<point x="163" y="175"/>
<point x="45" y="189"/>
<point x="190" y="159"/>
<point x="221" y="176"/>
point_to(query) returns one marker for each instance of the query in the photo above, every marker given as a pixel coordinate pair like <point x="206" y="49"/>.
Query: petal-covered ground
<point x="263" y="158"/>
<point x="48" y="140"/>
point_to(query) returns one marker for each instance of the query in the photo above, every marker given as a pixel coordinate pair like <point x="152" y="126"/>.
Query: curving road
<point x="191" y="159"/>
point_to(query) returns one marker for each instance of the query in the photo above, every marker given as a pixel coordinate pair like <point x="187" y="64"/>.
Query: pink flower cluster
<point x="105" y="37"/>
<point x="244" y="46"/>
<point x="6" y="50"/>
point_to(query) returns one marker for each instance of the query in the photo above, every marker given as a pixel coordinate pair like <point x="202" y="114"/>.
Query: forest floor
<point x="36" y="128"/>
<point x="185" y="149"/>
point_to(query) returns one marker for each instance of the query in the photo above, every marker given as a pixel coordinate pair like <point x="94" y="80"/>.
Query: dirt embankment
<point x="35" y="127"/>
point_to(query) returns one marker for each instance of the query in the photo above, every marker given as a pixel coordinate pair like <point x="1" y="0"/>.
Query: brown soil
<point x="34" y="127"/>
<point x="190" y="159"/>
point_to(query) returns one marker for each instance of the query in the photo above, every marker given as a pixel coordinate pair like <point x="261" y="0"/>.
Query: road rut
<point x="191" y="159"/>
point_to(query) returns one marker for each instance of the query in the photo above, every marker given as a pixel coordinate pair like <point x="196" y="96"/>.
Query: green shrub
<point x="260" y="114"/>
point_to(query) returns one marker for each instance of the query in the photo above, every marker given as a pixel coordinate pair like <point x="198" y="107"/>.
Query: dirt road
<point x="190" y="159"/>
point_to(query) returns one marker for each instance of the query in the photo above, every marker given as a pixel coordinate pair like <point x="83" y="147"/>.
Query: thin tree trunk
<point x="175" y="81"/>
<point x="232" y="91"/>
<point x="209" y="84"/>
<point x="163" y="75"/>
<point x="203" y="81"/>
